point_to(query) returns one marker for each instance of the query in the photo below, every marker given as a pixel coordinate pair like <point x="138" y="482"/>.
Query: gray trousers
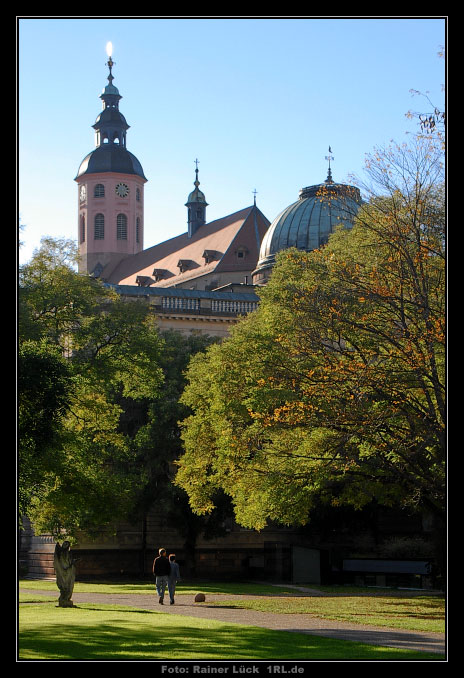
<point x="161" y="583"/>
<point x="171" y="587"/>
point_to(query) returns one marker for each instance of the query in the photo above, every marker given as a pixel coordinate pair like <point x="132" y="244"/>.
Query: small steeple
<point x="196" y="205"/>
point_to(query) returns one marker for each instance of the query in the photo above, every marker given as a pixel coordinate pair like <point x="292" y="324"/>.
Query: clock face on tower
<point x="122" y="190"/>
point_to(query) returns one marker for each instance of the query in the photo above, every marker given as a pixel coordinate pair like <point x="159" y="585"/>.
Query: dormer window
<point x="143" y="281"/>
<point x="159" y="274"/>
<point x="182" y="265"/>
<point x="209" y="256"/>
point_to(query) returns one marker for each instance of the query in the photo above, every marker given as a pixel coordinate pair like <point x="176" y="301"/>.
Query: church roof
<point x="213" y="247"/>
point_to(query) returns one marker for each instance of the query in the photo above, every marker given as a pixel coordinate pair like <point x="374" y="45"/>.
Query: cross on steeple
<point x="255" y="192"/>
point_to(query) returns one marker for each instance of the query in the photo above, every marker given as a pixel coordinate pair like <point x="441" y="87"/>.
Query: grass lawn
<point x="148" y="587"/>
<point x="409" y="610"/>
<point x="111" y="632"/>
<point x="421" y="613"/>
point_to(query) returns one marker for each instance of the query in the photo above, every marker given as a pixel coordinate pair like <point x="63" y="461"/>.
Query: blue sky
<point x="257" y="100"/>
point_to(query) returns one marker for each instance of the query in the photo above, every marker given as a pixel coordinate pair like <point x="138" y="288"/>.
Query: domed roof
<point x="110" y="158"/>
<point x="196" y="196"/>
<point x="111" y="90"/>
<point x="110" y="115"/>
<point x="307" y="223"/>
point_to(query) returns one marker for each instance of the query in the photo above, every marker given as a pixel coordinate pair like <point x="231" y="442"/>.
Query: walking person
<point x="161" y="572"/>
<point x="174" y="576"/>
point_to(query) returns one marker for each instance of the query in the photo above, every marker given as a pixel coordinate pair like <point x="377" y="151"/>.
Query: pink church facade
<point x="111" y="221"/>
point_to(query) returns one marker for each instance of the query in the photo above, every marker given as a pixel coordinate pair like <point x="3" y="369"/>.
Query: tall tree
<point x="157" y="445"/>
<point x="334" y="388"/>
<point x="110" y="349"/>
<point x="44" y="385"/>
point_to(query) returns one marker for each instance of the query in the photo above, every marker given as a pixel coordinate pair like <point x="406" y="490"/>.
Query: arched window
<point x="99" y="191"/>
<point x="82" y="228"/>
<point x="121" y="227"/>
<point x="137" y="229"/>
<point x="99" y="227"/>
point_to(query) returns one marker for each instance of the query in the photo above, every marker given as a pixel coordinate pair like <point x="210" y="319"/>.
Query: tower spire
<point x="329" y="157"/>
<point x="196" y="183"/>
<point x="196" y="205"/>
<point x="110" y="62"/>
<point x="111" y="126"/>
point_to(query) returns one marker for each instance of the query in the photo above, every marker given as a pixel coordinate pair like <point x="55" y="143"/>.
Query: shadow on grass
<point x="145" y="638"/>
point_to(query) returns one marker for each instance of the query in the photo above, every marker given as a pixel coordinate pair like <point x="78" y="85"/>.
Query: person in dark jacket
<point x="173" y="577"/>
<point x="161" y="572"/>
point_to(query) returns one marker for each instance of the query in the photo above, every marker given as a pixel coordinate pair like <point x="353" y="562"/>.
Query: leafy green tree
<point x="154" y="428"/>
<point x="53" y="298"/>
<point x="334" y="388"/>
<point x="110" y="348"/>
<point x="44" y="386"/>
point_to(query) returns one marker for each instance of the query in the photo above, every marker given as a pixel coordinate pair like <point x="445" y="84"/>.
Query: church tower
<point x="110" y="192"/>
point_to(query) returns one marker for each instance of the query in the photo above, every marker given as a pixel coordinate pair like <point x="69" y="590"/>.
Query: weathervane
<point x="255" y="193"/>
<point x="329" y="158"/>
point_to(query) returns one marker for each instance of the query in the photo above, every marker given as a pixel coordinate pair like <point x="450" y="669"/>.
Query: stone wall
<point x="36" y="553"/>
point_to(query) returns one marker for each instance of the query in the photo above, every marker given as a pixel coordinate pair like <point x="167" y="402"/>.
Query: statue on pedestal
<point x="65" y="570"/>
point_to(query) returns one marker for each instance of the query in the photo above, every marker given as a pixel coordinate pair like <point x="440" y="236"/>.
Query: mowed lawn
<point x="419" y="613"/>
<point x="101" y="631"/>
<point x="408" y="610"/>
<point x="110" y="632"/>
